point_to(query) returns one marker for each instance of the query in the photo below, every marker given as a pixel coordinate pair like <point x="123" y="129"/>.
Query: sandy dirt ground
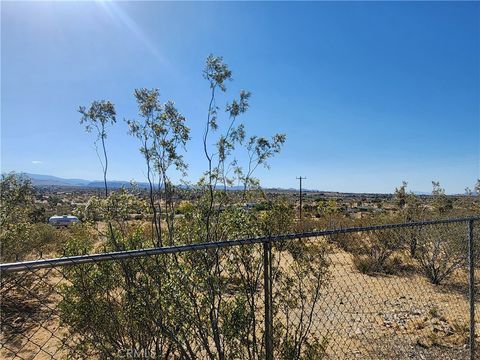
<point x="391" y="317"/>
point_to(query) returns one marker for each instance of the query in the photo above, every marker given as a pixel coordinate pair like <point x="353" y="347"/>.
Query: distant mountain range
<point x="49" y="180"/>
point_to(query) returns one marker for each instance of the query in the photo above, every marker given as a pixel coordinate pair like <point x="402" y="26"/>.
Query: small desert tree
<point x="222" y="164"/>
<point x="466" y="203"/>
<point x="401" y="195"/>
<point x="162" y="132"/>
<point x="199" y="304"/>
<point x="441" y="202"/>
<point x="411" y="209"/>
<point x="96" y="118"/>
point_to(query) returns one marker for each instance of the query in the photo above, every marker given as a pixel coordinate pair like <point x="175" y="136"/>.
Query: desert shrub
<point x="136" y="302"/>
<point x="410" y="238"/>
<point x="262" y="206"/>
<point x="365" y="264"/>
<point x="183" y="208"/>
<point x="22" y="232"/>
<point x="370" y="265"/>
<point x="315" y="349"/>
<point x="46" y="239"/>
<point x="117" y="206"/>
<point x="344" y="241"/>
<point x="17" y="201"/>
<point x="440" y="201"/>
<point x="278" y="219"/>
<point x="22" y="238"/>
<point x="26" y="241"/>
<point x="307" y="224"/>
<point x="441" y="250"/>
<point x="373" y="252"/>
<point x="300" y="273"/>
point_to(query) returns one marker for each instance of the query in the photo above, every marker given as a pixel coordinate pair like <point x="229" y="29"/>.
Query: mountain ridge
<point x="51" y="180"/>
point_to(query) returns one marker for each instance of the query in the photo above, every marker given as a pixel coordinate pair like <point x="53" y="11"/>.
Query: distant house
<point x="63" y="220"/>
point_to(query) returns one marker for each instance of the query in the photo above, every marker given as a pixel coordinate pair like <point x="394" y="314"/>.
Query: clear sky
<point x="369" y="94"/>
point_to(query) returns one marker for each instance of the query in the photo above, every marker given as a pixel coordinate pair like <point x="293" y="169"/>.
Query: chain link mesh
<point x="368" y="293"/>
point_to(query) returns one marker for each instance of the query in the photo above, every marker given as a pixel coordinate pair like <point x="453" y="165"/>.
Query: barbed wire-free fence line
<point x="385" y="291"/>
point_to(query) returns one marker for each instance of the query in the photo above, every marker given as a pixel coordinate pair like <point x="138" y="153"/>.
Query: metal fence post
<point x="267" y="285"/>
<point x="471" y="292"/>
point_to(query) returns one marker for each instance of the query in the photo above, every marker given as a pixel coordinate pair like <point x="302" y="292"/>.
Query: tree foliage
<point x="199" y="304"/>
<point x="19" y="232"/>
<point x="162" y="132"/>
<point x="96" y="118"/>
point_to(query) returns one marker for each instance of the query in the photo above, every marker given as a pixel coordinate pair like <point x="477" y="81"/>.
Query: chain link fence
<point x="395" y="291"/>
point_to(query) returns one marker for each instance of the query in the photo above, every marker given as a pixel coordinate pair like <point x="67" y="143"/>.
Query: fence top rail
<point x="118" y="255"/>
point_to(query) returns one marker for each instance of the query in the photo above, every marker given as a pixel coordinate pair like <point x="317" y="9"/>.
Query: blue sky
<point x="369" y="94"/>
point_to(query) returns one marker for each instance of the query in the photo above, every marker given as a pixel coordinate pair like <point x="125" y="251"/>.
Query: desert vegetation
<point x="210" y="304"/>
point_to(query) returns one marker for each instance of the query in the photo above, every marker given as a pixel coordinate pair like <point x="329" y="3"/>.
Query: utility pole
<point x="301" y="178"/>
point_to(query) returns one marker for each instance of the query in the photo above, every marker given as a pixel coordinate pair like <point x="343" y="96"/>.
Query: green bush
<point x="21" y="233"/>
